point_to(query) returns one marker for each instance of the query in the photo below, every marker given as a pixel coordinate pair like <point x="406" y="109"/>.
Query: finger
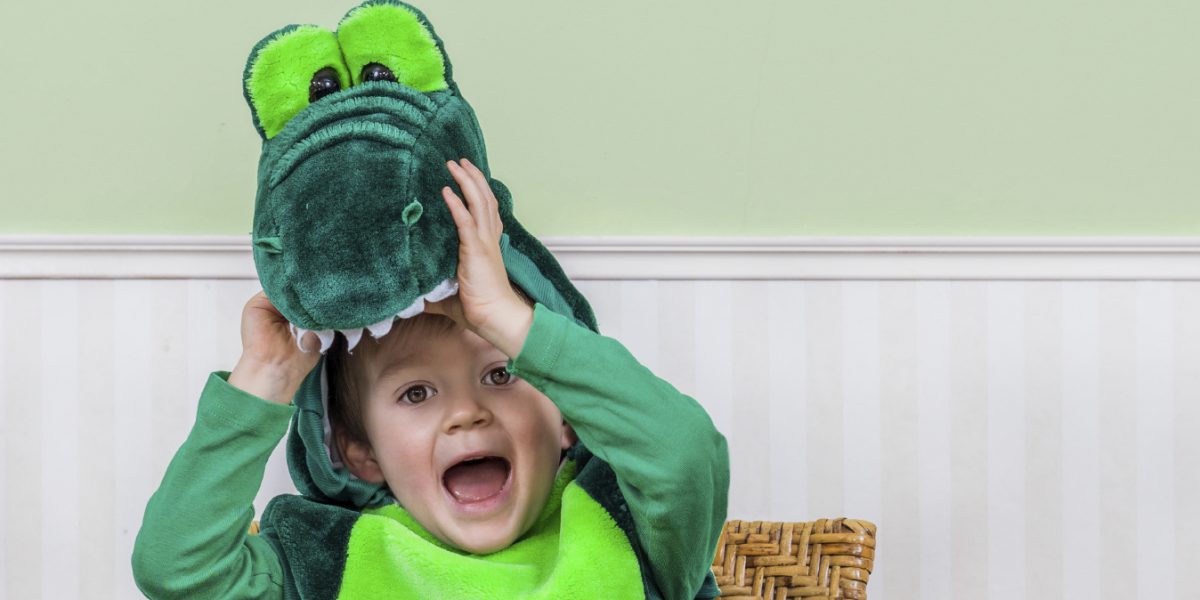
<point x="309" y="342"/>
<point x="492" y="209"/>
<point x="478" y="177"/>
<point x="475" y="201"/>
<point x="463" y="220"/>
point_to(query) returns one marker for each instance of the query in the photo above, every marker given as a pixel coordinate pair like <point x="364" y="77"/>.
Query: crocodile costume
<point x="350" y="234"/>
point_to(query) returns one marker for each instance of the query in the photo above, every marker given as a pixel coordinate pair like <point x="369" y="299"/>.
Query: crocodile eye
<point x="324" y="83"/>
<point x="377" y="72"/>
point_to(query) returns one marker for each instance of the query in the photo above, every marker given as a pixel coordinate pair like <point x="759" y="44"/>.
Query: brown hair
<point x="350" y="374"/>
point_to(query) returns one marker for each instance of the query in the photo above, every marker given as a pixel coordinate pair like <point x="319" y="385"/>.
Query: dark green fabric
<point x="308" y="460"/>
<point x="337" y="180"/>
<point x="311" y="540"/>
<point x="350" y="228"/>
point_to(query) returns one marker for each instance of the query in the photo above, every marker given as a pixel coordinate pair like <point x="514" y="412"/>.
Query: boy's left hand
<point x="486" y="303"/>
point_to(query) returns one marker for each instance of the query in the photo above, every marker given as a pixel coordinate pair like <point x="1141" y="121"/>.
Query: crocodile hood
<point x="350" y="232"/>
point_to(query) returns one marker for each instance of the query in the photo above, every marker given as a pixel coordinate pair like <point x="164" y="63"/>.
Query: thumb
<point x="309" y="342"/>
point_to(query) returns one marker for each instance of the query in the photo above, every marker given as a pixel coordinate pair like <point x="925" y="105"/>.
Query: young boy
<point x="464" y="414"/>
<point x="481" y="446"/>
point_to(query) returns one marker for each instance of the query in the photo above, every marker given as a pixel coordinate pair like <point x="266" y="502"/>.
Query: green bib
<point x="577" y="552"/>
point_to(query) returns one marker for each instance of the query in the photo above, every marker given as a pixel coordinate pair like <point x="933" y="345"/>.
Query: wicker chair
<point x="818" y="560"/>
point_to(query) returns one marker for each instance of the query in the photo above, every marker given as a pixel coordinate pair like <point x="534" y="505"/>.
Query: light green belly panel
<point x="581" y="555"/>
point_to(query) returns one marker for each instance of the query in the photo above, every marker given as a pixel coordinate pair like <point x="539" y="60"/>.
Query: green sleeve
<point x="193" y="542"/>
<point x="671" y="463"/>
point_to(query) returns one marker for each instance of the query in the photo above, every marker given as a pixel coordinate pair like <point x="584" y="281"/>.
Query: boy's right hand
<point x="271" y="366"/>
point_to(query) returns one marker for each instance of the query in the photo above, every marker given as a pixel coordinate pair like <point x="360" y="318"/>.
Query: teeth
<point x="326" y="336"/>
<point x="444" y="290"/>
<point x="381" y="328"/>
<point x="413" y="309"/>
<point x="352" y="337"/>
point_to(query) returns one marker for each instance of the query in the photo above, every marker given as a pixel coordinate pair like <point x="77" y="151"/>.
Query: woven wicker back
<point x="816" y="560"/>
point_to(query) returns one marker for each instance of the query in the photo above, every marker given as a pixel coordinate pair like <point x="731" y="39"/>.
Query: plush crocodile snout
<point x="352" y="190"/>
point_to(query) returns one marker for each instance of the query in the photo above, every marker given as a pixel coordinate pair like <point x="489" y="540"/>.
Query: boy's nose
<point x="466" y="412"/>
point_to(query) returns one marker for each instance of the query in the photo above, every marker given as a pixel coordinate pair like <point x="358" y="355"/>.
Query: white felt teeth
<point x="326" y="336"/>
<point x="381" y="328"/>
<point x="352" y="337"/>
<point x="443" y="290"/>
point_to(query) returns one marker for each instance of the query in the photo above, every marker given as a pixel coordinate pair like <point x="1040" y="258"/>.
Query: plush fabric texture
<point x="546" y="564"/>
<point x="280" y="68"/>
<point x="335" y="552"/>
<point x="303" y="534"/>
<point x="394" y="36"/>
<point x="349" y="225"/>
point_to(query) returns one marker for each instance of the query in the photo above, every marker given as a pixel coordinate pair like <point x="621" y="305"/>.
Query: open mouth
<point x="441" y="291"/>
<point x="478" y="479"/>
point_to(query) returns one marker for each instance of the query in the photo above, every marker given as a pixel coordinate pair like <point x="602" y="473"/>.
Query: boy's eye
<point x="498" y="376"/>
<point x="417" y="394"/>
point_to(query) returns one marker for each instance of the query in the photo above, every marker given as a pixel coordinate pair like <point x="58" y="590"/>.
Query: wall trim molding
<point x="27" y="256"/>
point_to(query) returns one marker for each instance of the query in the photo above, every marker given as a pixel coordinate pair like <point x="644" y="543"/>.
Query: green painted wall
<point x="630" y="117"/>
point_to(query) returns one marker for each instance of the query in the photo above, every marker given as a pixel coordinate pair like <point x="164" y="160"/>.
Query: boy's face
<point x="435" y="403"/>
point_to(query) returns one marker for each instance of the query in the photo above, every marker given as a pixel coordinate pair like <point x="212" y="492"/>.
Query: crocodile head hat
<point x="350" y="232"/>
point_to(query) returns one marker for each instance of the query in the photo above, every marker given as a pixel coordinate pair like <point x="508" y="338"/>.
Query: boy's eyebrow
<point x="397" y="364"/>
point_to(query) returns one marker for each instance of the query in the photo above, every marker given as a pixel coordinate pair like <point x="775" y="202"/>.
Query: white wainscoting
<point x="1018" y="416"/>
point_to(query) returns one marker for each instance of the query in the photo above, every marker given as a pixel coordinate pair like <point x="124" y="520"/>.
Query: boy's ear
<point x="568" y="436"/>
<point x="358" y="458"/>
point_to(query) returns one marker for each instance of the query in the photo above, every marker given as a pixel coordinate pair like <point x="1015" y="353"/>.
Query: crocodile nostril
<point x="272" y="245"/>
<point x="412" y="213"/>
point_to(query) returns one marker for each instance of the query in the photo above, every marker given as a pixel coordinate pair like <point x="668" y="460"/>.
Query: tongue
<point x="477" y="480"/>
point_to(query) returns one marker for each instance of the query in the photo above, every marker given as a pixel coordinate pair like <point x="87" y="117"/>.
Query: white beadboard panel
<point x="133" y="361"/>
<point x="825" y="428"/>
<point x="860" y="373"/>
<point x="751" y="466"/>
<point x="58" y="450"/>
<point x="787" y="376"/>
<point x="1079" y="494"/>
<point x="715" y="386"/>
<point x="5" y="378"/>
<point x="1010" y="438"/>
<point x="97" y="444"/>
<point x="970" y="576"/>
<point x="1043" y="471"/>
<point x="934" y="426"/>
<point x="1154" y="362"/>
<point x="23" y="471"/>
<point x="898" y="413"/>
<point x="1186" y="422"/>
<point x="1118" y="443"/>
<point x="1004" y="345"/>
